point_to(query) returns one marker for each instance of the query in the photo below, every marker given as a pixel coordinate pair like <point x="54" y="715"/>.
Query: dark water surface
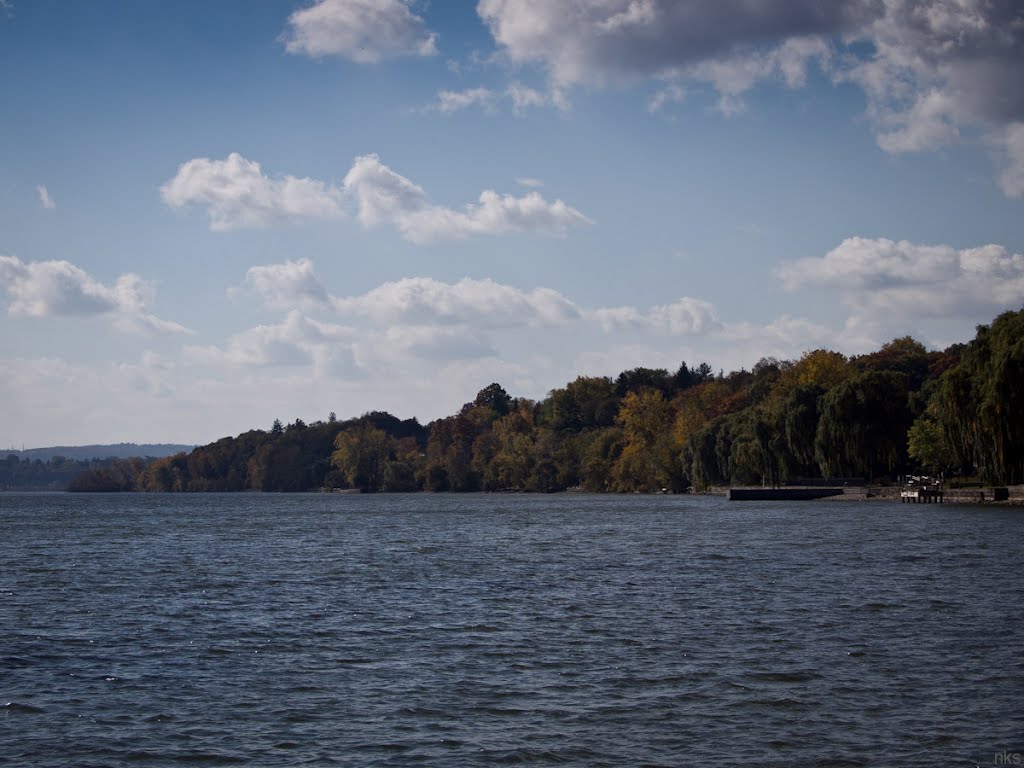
<point x="270" y="630"/>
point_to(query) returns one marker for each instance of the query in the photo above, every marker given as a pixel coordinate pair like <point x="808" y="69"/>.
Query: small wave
<point x="786" y="677"/>
<point x="15" y="662"/>
<point x="878" y="606"/>
<point x="22" y="709"/>
<point x="780" y="704"/>
<point x="207" y="758"/>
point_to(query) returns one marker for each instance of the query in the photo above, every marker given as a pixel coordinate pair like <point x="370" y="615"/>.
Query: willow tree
<point x="800" y="422"/>
<point x="979" y="404"/>
<point x="862" y="428"/>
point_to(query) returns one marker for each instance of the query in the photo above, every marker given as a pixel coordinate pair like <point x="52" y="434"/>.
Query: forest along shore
<point x="902" y="410"/>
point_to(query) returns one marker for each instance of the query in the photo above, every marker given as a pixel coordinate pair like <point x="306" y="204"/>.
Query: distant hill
<point x="87" y="452"/>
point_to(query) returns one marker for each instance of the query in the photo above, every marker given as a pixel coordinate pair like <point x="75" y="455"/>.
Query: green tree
<point x="926" y="443"/>
<point x="649" y="460"/>
<point x="862" y="429"/>
<point x="494" y="396"/>
<point x="979" y="404"/>
<point x="361" y="455"/>
<point x="800" y="423"/>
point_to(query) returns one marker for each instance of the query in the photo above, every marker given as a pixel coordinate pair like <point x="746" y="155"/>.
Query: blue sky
<point x="213" y="215"/>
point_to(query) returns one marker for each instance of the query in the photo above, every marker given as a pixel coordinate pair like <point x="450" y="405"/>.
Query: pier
<point x="923" y="495"/>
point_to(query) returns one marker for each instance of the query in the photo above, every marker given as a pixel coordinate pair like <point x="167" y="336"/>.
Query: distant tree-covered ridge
<point x="48" y="469"/>
<point x="109" y="451"/>
<point x="897" y="410"/>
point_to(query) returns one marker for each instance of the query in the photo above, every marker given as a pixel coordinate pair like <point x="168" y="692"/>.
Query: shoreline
<point x="983" y="496"/>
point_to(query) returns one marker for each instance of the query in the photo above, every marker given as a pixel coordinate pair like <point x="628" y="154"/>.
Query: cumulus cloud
<point x="297" y="340"/>
<point x="420" y="318"/>
<point x="44" y="197"/>
<point x="237" y="194"/>
<point x="478" y="303"/>
<point x="685" y="317"/>
<point x="598" y="40"/>
<point x="940" y="64"/>
<point x="928" y="69"/>
<point x="364" y="31"/>
<point x="288" y="285"/>
<point x="1012" y="177"/>
<point x="60" y="289"/>
<point x="883" y="280"/>
<point x="384" y="196"/>
<point x="414" y="318"/>
<point x="734" y="74"/>
<point x="432" y="343"/>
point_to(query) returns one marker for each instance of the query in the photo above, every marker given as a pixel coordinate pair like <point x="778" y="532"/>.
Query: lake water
<point x="446" y="630"/>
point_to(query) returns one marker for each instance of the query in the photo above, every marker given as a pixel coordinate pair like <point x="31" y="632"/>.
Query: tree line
<point x="18" y="473"/>
<point x="900" y="409"/>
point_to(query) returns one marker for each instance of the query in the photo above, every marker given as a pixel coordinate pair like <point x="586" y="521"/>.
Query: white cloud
<point x="297" y="340"/>
<point x="684" y="317"/>
<point x="588" y="41"/>
<point x="888" y="284"/>
<point x="454" y="101"/>
<point x="1012" y="178"/>
<point x="526" y="181"/>
<point x="288" y="285"/>
<point x="60" y="289"/>
<point x="927" y="124"/>
<point x="44" y="197"/>
<point x="779" y="338"/>
<point x="364" y="31"/>
<point x="479" y="303"/>
<point x="938" y="66"/>
<point x="928" y="69"/>
<point x="398" y="326"/>
<point x="737" y="72"/>
<point x="671" y="93"/>
<point x="522" y="97"/>
<point x="432" y="343"/>
<point x="422" y="347"/>
<point x="384" y="196"/>
<point x="238" y="194"/>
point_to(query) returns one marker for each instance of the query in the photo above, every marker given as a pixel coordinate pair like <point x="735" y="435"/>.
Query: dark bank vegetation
<point x="56" y="473"/>
<point x="900" y="409"/>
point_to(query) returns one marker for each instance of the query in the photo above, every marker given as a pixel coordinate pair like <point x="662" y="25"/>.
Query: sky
<point x="214" y="215"/>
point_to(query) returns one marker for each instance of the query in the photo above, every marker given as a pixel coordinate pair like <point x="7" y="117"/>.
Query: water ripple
<point x="511" y="630"/>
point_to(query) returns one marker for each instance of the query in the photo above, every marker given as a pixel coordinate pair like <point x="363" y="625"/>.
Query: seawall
<point x="781" y="494"/>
